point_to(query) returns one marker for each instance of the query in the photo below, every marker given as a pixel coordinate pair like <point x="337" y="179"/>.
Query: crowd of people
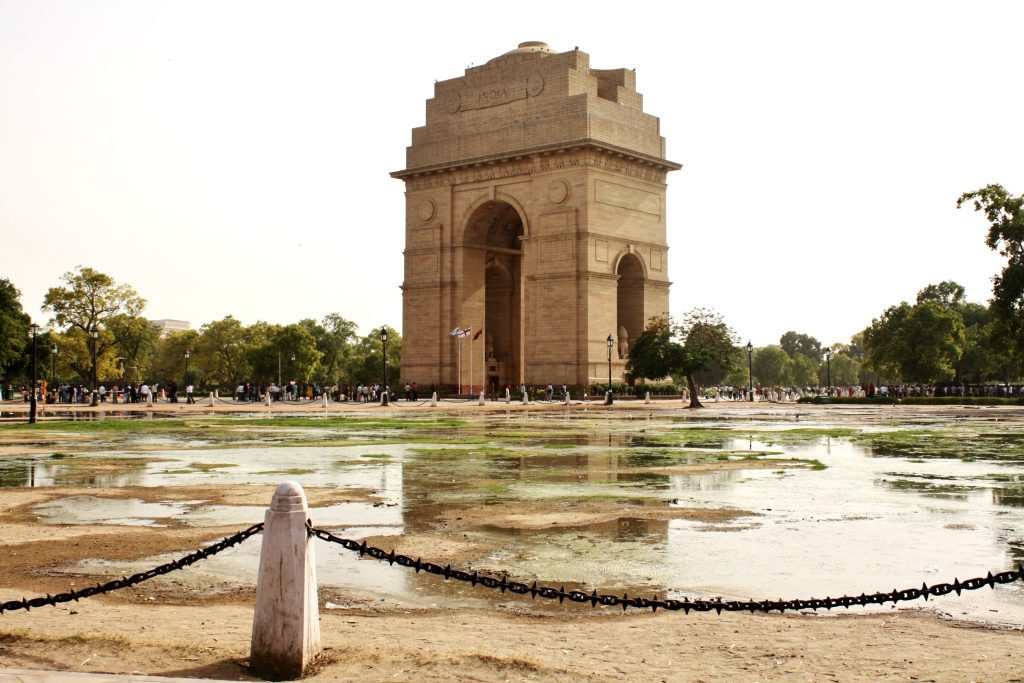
<point x="143" y="392"/>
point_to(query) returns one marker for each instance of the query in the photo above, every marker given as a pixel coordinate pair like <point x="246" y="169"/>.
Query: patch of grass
<point x="210" y="466"/>
<point x="60" y="456"/>
<point x="295" y="471"/>
<point x="360" y="423"/>
<point x="379" y="456"/>
<point x="560" y="445"/>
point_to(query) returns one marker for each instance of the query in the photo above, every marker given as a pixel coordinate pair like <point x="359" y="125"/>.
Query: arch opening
<point x="629" y="302"/>
<point x="494" y="293"/>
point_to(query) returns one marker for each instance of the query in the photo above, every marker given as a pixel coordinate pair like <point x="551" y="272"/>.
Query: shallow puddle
<point x="839" y="508"/>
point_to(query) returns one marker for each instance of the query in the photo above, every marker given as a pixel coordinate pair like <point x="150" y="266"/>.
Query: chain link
<point x="134" y="579"/>
<point x="654" y="604"/>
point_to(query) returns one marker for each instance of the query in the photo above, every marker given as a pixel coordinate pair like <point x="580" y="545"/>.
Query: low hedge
<point x="916" y="400"/>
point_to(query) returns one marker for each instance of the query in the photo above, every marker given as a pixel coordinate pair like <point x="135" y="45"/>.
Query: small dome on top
<point x="531" y="46"/>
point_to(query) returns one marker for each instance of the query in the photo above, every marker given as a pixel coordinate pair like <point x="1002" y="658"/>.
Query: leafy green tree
<point x="701" y="342"/>
<point x="844" y="370"/>
<point x="90" y="300"/>
<point x="920" y="343"/>
<point x="334" y="339"/>
<point x="134" y="337"/>
<point x="773" y="366"/>
<point x="1005" y="215"/>
<point x="266" y="354"/>
<point x="793" y="343"/>
<point x="14" y="325"/>
<point x="222" y="351"/>
<point x="947" y="293"/>
<point x="365" y="363"/>
<point x="655" y="354"/>
<point x="804" y="370"/>
<point x="167" y="359"/>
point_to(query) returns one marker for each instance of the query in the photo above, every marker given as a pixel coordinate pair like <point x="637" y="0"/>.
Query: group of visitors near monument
<point x="131" y="392"/>
<point x="142" y="392"/>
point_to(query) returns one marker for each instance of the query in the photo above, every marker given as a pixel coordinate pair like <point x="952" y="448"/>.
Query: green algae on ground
<point x="957" y="443"/>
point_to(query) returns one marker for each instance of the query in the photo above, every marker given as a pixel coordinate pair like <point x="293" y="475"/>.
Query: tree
<point x="1005" y="214"/>
<point x="92" y="301"/>
<point x="804" y="370"/>
<point x="166" y="360"/>
<point x="947" y="293"/>
<point x="701" y="342"/>
<point x="222" y="349"/>
<point x="844" y="370"/>
<point x="365" y="363"/>
<point x="14" y="324"/>
<point x="655" y="354"/>
<point x="920" y="343"/>
<point x="804" y="344"/>
<point x="773" y="366"/>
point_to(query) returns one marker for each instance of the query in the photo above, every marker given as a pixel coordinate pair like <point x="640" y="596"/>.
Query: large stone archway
<point x="535" y="211"/>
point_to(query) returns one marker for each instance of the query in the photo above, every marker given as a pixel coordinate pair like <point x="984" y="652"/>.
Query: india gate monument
<point x="535" y="219"/>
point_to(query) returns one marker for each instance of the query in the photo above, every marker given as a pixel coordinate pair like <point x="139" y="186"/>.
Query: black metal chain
<point x="717" y="605"/>
<point x="134" y="579"/>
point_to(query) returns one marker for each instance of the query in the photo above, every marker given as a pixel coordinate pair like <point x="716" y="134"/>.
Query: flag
<point x="456" y="332"/>
<point x="478" y="333"/>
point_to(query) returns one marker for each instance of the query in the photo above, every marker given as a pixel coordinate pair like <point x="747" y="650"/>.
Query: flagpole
<point x="471" y="378"/>
<point x="458" y="340"/>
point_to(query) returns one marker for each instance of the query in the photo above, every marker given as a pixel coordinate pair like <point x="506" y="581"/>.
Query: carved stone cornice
<point x="582" y="153"/>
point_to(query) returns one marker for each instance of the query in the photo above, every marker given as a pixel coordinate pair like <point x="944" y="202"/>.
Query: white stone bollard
<point x="508" y="395"/>
<point x="567" y="398"/>
<point x="211" y="399"/>
<point x="325" y="399"/>
<point x="433" y="400"/>
<point x="647" y="397"/>
<point x="266" y="399"/>
<point x="481" y="401"/>
<point x="286" y="622"/>
<point x="526" y="398"/>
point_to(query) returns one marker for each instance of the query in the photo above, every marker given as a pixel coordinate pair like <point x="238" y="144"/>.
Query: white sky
<point x="233" y="157"/>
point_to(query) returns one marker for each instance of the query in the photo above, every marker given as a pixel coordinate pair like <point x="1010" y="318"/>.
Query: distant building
<point x="167" y="326"/>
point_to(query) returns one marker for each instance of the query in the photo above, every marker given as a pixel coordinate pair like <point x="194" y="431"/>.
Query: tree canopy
<point x="700" y="342"/>
<point x="14" y="324"/>
<point x="919" y="343"/>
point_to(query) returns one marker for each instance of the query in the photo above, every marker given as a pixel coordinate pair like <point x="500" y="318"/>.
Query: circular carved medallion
<point x="454" y="103"/>
<point x="558" y="191"/>
<point x="427" y="209"/>
<point x="534" y="84"/>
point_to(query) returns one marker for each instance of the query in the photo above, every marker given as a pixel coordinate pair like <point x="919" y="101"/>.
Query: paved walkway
<point x="32" y="676"/>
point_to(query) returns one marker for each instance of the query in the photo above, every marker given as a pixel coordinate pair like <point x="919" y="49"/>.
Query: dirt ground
<point x="178" y="627"/>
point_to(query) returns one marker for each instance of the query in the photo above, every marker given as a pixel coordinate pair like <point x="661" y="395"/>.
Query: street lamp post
<point x="610" y="342"/>
<point x="94" y="334"/>
<point x="32" y="400"/>
<point x="750" y="370"/>
<point x="53" y="375"/>
<point x="187" y="354"/>
<point x="291" y="369"/>
<point x="384" y="354"/>
<point x="828" y="370"/>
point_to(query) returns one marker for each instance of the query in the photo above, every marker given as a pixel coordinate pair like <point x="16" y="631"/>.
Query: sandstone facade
<point x="535" y="210"/>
